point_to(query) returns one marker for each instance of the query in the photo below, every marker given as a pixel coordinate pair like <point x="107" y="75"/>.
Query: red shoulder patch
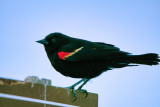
<point x="63" y="55"/>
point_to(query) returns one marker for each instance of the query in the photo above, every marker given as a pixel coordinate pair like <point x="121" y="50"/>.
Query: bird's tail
<point x="133" y="60"/>
<point x="146" y="59"/>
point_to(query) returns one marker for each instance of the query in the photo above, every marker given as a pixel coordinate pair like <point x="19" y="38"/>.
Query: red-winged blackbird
<point x="79" y="58"/>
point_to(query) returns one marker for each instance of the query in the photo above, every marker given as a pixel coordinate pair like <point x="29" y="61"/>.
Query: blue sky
<point x="132" y="25"/>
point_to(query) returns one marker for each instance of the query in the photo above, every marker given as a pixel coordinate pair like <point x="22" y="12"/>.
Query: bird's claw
<point x="80" y="88"/>
<point x="74" y="93"/>
<point x="85" y="91"/>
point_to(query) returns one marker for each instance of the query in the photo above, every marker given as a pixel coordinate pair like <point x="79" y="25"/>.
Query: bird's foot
<point x="74" y="93"/>
<point x="80" y="88"/>
<point x="85" y="91"/>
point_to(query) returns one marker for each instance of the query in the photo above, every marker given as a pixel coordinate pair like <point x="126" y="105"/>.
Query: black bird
<point x="78" y="58"/>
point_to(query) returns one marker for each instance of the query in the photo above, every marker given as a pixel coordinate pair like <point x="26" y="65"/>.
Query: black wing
<point x="90" y="51"/>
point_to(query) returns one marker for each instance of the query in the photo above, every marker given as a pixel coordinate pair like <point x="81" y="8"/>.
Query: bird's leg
<point x="80" y="87"/>
<point x="74" y="85"/>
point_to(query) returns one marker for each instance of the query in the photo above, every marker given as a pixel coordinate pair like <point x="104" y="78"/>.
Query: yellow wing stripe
<point x="72" y="53"/>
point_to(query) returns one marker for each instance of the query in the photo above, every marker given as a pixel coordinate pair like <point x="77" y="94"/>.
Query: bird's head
<point x="53" y="41"/>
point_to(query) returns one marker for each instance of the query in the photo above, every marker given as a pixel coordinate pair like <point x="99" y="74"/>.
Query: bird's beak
<point x="43" y="41"/>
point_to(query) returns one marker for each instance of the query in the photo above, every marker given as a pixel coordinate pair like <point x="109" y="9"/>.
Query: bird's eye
<point x="48" y="39"/>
